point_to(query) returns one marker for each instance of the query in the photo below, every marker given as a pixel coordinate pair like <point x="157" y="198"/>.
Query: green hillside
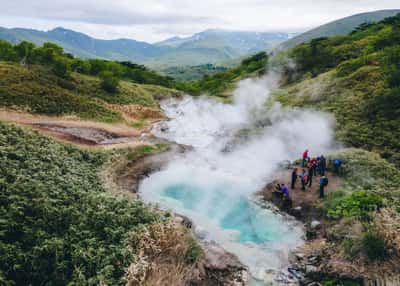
<point x="357" y="78"/>
<point x="58" y="225"/>
<point x="53" y="83"/>
<point x="340" y="27"/>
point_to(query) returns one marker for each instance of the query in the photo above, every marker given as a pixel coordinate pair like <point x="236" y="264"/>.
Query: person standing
<point x="318" y="168"/>
<point x="323" y="182"/>
<point x="336" y="165"/>
<point x="285" y="191"/>
<point x="310" y="176"/>
<point x="313" y="164"/>
<point x="323" y="165"/>
<point x="305" y="156"/>
<point x="303" y="180"/>
<point x="294" y="178"/>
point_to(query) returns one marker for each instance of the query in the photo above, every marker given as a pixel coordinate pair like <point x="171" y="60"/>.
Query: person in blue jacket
<point x="336" y="166"/>
<point x="323" y="182"/>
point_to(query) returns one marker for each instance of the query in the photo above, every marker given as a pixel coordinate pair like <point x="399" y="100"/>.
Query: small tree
<point x="109" y="82"/>
<point x="61" y="67"/>
<point x="24" y="51"/>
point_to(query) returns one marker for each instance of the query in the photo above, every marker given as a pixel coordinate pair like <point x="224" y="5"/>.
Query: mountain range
<point x="209" y="46"/>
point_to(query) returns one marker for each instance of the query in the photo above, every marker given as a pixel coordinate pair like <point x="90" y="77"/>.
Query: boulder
<point x="315" y="224"/>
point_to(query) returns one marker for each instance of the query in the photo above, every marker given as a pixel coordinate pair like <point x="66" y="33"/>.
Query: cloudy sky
<point x="153" y="20"/>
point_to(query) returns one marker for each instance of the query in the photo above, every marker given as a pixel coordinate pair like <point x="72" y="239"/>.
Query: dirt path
<point x="81" y="132"/>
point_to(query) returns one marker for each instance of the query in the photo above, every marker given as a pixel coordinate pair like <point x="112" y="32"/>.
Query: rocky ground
<point x="81" y="132"/>
<point x="306" y="206"/>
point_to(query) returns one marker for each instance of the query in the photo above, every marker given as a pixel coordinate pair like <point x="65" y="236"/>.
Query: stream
<point x="214" y="183"/>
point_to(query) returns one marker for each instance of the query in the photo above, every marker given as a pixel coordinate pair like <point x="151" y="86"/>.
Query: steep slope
<point x="338" y="27"/>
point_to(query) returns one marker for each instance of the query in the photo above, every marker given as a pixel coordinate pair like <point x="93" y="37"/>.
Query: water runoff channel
<point x="236" y="148"/>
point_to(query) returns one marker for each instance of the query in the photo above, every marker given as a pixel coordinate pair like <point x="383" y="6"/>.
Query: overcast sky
<point x="153" y="20"/>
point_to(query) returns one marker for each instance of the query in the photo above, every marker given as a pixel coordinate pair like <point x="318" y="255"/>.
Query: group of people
<point x="311" y="167"/>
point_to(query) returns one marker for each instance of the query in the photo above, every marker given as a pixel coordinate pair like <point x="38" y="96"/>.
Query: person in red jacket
<point x="305" y="156"/>
<point x="313" y="166"/>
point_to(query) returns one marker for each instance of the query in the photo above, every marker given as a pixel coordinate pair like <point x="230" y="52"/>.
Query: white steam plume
<point x="219" y="181"/>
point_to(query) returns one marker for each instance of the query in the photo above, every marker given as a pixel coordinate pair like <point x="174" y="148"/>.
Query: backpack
<point x="326" y="182"/>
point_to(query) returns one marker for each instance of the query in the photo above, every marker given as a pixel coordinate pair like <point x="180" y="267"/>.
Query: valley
<point x="115" y="174"/>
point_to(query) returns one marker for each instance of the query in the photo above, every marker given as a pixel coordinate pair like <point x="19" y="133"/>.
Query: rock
<point x="221" y="267"/>
<point x="314" y="284"/>
<point x="311" y="234"/>
<point x="183" y="221"/>
<point x="313" y="260"/>
<point x="311" y="269"/>
<point x="299" y="256"/>
<point x="305" y="281"/>
<point x="200" y="232"/>
<point x="315" y="224"/>
<point x="296" y="212"/>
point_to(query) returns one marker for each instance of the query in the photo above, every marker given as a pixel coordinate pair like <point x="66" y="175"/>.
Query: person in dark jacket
<point x="313" y="165"/>
<point x="303" y="178"/>
<point x="323" y="165"/>
<point x="294" y="178"/>
<point x="310" y="176"/>
<point x="323" y="182"/>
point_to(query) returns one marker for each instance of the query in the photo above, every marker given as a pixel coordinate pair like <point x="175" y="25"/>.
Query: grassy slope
<point x="38" y="90"/>
<point x="361" y="122"/>
<point x="57" y="223"/>
<point x="339" y="27"/>
<point x="353" y="78"/>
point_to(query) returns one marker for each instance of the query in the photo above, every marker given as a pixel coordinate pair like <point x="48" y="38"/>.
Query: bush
<point x="193" y="252"/>
<point x="334" y="281"/>
<point x="58" y="226"/>
<point x="61" y="67"/>
<point x="352" y="247"/>
<point x="358" y="204"/>
<point x="374" y="246"/>
<point x="109" y="82"/>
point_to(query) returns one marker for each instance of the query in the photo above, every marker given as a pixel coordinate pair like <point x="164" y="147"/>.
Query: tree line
<point x="62" y="64"/>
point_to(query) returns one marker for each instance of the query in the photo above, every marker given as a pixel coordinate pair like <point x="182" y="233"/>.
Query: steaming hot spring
<point x="236" y="149"/>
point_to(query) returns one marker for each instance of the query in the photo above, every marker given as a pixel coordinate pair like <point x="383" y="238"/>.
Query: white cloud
<point x="153" y="20"/>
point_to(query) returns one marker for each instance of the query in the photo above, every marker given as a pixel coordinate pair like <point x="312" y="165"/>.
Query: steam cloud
<point x="216" y="179"/>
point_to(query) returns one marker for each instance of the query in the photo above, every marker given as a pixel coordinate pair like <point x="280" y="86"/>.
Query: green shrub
<point x="193" y="252"/>
<point x="57" y="224"/>
<point x="109" y="82"/>
<point x="358" y="204"/>
<point x="61" y="67"/>
<point x="374" y="246"/>
<point x="352" y="247"/>
<point x="366" y="170"/>
<point x="334" y="281"/>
